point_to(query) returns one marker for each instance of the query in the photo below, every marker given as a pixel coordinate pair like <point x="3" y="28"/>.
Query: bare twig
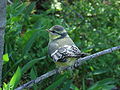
<point x="2" y="28"/>
<point x="76" y="64"/>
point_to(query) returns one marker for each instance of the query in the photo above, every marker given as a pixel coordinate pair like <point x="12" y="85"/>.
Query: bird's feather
<point x="65" y="52"/>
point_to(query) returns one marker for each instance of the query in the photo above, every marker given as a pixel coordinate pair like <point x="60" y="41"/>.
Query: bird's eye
<point x="53" y="31"/>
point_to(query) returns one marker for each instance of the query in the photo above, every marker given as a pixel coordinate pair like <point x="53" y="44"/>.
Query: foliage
<point x="93" y="26"/>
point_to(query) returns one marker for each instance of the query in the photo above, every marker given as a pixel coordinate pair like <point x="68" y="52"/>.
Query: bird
<point x="61" y="47"/>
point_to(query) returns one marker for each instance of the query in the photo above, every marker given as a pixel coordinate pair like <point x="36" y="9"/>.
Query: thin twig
<point x="56" y="71"/>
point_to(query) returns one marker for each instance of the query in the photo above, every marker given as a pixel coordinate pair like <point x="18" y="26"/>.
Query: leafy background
<point x="94" y="25"/>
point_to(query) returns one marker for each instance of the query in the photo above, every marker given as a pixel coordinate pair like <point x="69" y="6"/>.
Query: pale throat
<point x="53" y="37"/>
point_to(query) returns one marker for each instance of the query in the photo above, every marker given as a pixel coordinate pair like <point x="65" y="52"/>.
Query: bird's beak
<point x="48" y="30"/>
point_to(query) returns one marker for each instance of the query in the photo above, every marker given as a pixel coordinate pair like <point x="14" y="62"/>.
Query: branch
<point x="76" y="64"/>
<point x="2" y="29"/>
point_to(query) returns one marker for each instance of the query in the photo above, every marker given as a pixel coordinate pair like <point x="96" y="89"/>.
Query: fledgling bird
<point x="61" y="47"/>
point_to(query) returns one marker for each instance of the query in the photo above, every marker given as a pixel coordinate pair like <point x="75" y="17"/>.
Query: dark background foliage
<point x="94" y="25"/>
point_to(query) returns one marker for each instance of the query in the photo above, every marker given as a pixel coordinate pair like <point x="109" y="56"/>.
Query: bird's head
<point x="57" y="31"/>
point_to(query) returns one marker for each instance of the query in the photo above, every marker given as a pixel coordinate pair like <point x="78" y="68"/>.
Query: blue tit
<point x="61" y="48"/>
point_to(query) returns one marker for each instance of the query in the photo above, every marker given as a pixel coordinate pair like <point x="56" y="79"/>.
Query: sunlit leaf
<point x="6" y="57"/>
<point x="16" y="77"/>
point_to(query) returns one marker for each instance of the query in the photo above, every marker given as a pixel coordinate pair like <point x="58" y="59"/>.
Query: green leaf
<point x="7" y="86"/>
<point x="33" y="76"/>
<point x="16" y="78"/>
<point x="103" y="84"/>
<point x="56" y="83"/>
<point x="30" y="41"/>
<point x="20" y="8"/>
<point x="67" y="85"/>
<point x="30" y="64"/>
<point x="97" y="72"/>
<point x="6" y="57"/>
<point x="29" y="8"/>
<point x="4" y="86"/>
<point x="73" y="87"/>
<point x="83" y="84"/>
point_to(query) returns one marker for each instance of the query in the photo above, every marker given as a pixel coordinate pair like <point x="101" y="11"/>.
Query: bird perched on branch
<point x="61" y="47"/>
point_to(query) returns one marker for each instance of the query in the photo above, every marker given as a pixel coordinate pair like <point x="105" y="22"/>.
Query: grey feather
<point x="61" y="49"/>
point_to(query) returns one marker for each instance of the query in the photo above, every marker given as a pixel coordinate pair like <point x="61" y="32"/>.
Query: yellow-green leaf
<point x="16" y="77"/>
<point x="6" y="57"/>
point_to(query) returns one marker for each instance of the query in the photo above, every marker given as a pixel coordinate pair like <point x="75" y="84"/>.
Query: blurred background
<point x="93" y="25"/>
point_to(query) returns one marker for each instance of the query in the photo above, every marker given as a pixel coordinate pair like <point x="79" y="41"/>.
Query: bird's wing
<point x="65" y="52"/>
<point x="52" y="47"/>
